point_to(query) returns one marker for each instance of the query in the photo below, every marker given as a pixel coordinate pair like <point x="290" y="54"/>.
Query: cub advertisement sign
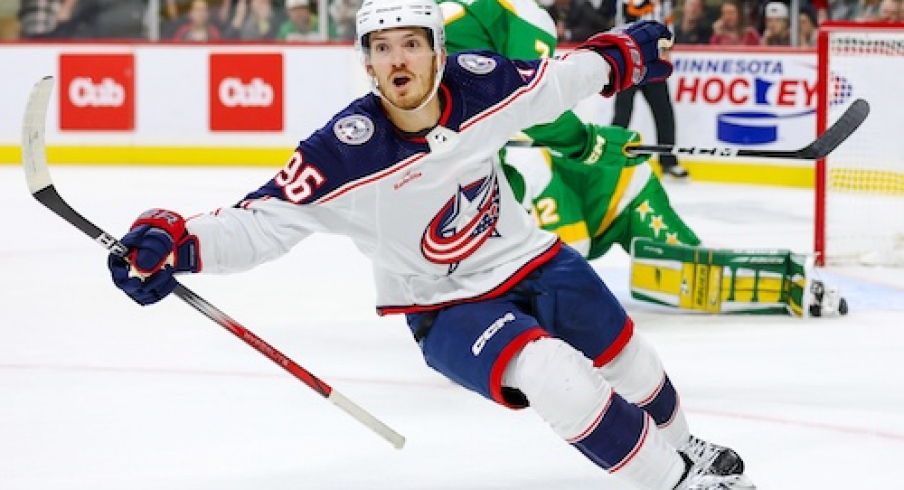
<point x="97" y="92"/>
<point x="246" y="92"/>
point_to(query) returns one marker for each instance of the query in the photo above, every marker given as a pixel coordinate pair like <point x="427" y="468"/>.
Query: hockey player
<point x="411" y="174"/>
<point x="589" y="189"/>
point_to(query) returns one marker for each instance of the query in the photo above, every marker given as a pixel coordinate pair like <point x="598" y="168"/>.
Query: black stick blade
<point x="843" y="128"/>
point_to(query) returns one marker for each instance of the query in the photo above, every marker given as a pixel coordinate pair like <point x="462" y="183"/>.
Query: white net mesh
<point x="864" y="191"/>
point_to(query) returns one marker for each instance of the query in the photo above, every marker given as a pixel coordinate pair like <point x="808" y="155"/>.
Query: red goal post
<point x="860" y="187"/>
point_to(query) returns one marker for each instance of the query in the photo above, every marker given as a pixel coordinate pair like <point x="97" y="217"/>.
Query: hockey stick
<point x="852" y="118"/>
<point x="34" y="160"/>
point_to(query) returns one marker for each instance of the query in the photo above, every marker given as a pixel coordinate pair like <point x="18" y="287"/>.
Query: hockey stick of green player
<point x="34" y="160"/>
<point x="821" y="147"/>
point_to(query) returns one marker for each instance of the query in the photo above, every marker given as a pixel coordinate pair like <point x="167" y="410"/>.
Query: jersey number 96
<point x="298" y="179"/>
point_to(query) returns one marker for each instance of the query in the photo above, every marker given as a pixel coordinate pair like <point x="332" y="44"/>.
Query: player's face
<point x="404" y="65"/>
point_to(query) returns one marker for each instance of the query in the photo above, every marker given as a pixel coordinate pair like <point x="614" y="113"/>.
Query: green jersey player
<point x="588" y="188"/>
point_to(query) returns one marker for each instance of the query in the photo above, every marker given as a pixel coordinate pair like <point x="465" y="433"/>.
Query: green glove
<point x="608" y="145"/>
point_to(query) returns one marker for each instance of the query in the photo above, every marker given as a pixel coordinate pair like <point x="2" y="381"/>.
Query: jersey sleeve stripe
<point x="508" y="100"/>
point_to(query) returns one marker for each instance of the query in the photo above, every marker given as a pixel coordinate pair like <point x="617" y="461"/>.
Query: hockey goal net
<point x="860" y="186"/>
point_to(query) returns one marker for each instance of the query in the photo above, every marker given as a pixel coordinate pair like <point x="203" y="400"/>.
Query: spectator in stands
<point x="778" y="25"/>
<point x="111" y="19"/>
<point x="807" y="27"/>
<point x="255" y="20"/>
<point x="890" y="11"/>
<point x="174" y="10"/>
<point x="342" y="18"/>
<point x="301" y="24"/>
<point x="732" y="29"/>
<point x="696" y="26"/>
<point x="593" y="16"/>
<point x="843" y="9"/>
<point x="577" y="20"/>
<point x="224" y="14"/>
<point x="174" y="13"/>
<point x="821" y="9"/>
<point x="867" y="11"/>
<point x="559" y="13"/>
<point x="9" y="22"/>
<point x="98" y="19"/>
<point x="198" y="27"/>
<point x="44" y="18"/>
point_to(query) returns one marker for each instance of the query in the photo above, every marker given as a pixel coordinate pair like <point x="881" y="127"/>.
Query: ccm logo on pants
<point x="489" y="332"/>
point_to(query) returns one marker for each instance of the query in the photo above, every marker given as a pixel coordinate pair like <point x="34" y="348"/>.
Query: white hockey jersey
<point x="434" y="214"/>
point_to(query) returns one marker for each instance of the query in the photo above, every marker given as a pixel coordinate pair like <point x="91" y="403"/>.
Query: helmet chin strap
<point x="436" y="81"/>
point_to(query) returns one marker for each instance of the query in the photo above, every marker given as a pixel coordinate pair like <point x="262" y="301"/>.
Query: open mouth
<point x="400" y="81"/>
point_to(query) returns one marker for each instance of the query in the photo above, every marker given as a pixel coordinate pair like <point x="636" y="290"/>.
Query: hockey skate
<point x="825" y="300"/>
<point x="675" y="171"/>
<point x="712" y="458"/>
<point x="810" y="296"/>
<point x="696" y="478"/>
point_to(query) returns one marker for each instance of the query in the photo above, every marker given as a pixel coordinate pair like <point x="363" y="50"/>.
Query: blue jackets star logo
<point x="464" y="223"/>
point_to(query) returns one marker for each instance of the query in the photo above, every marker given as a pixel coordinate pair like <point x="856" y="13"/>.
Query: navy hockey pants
<point x="472" y="343"/>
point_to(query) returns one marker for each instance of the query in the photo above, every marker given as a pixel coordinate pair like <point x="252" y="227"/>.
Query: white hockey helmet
<point x="376" y="15"/>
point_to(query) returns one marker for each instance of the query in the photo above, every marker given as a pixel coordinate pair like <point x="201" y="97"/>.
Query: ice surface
<point x="97" y="393"/>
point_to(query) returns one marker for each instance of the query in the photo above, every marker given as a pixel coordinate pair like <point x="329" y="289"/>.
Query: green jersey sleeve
<point x="516" y="29"/>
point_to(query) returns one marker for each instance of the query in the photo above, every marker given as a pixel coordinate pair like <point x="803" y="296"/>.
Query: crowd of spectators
<point x="181" y="20"/>
<point x="717" y="22"/>
<point x="722" y="22"/>
<point x="115" y="19"/>
<point x="262" y="20"/>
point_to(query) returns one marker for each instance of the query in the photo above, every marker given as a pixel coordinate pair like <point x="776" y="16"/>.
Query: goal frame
<point x="822" y="116"/>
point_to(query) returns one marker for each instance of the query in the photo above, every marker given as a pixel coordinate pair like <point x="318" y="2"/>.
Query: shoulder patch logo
<point x="477" y="64"/>
<point x="354" y="130"/>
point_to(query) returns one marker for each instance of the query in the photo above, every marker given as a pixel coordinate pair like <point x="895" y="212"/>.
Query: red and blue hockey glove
<point x="633" y="54"/>
<point x="159" y="246"/>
